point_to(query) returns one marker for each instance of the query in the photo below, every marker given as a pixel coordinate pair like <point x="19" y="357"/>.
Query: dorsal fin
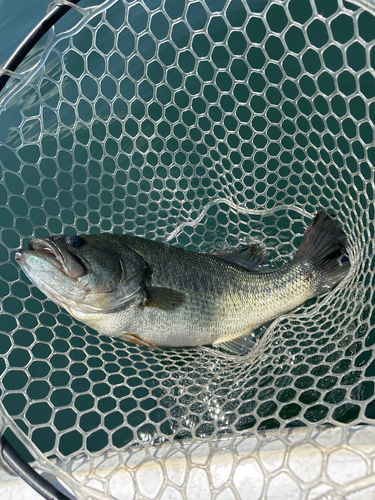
<point x="250" y="257"/>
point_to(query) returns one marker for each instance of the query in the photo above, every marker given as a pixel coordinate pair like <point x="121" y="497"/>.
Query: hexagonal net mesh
<point x="205" y="124"/>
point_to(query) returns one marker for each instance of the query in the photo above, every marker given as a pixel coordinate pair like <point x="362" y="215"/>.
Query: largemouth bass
<point x="156" y="294"/>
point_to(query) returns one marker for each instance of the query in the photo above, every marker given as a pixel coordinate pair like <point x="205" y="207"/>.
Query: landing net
<point x="207" y="124"/>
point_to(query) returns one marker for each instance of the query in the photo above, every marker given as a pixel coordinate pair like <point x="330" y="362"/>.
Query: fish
<point x="159" y="295"/>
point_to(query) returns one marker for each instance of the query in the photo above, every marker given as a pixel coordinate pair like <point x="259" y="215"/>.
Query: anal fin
<point x="239" y="346"/>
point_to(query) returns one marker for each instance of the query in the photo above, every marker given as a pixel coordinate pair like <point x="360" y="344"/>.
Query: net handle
<point x="31" y="39"/>
<point x="27" y="473"/>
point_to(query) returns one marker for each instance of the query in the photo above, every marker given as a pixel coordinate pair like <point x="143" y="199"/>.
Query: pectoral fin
<point x="164" y="298"/>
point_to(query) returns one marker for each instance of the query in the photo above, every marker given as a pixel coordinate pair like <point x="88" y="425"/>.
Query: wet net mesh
<point x="207" y="124"/>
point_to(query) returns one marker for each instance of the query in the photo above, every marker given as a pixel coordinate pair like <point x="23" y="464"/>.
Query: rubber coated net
<point x="207" y="124"/>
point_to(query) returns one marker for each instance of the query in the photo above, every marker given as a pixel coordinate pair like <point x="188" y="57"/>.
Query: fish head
<point x="84" y="274"/>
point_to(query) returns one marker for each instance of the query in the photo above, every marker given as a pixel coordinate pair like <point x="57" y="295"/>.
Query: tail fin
<point x="324" y="245"/>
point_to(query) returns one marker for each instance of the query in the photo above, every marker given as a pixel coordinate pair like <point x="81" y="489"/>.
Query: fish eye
<point x="75" y="241"/>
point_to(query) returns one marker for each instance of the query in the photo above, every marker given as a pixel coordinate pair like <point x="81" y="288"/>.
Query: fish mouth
<point x="66" y="262"/>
